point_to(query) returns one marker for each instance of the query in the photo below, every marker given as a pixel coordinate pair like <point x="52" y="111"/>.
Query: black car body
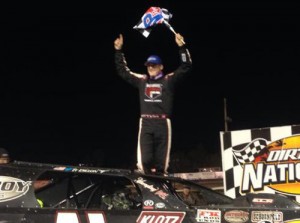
<point x="49" y="193"/>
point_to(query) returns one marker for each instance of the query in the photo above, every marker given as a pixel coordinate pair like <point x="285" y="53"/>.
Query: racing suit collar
<point x="158" y="76"/>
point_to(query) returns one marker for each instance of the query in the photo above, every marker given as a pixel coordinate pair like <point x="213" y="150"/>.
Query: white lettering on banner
<point x="251" y="177"/>
<point x="284" y="155"/>
<point x="160" y="217"/>
<point x="73" y="217"/>
<point x="265" y="174"/>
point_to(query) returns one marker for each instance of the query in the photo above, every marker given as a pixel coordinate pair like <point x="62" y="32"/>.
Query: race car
<point x="54" y="193"/>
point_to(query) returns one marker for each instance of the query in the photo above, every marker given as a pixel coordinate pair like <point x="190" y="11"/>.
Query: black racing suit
<point x="156" y="102"/>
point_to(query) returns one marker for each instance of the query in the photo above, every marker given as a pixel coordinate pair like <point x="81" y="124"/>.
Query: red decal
<point x="160" y="217"/>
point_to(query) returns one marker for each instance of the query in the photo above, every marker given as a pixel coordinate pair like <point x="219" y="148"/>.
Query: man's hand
<point x="119" y="42"/>
<point x="179" y="40"/>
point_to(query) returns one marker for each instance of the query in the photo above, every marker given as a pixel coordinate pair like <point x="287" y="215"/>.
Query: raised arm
<point x="121" y="64"/>
<point x="185" y="59"/>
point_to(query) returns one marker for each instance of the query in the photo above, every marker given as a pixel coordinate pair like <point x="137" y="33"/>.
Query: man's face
<point x="4" y="160"/>
<point x="154" y="69"/>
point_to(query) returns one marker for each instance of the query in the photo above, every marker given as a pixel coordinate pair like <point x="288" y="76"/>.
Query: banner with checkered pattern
<point x="262" y="160"/>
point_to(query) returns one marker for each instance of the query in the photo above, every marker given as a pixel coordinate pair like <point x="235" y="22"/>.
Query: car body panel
<point x="50" y="193"/>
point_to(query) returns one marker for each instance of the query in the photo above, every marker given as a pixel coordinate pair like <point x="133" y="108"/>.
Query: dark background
<point x="62" y="101"/>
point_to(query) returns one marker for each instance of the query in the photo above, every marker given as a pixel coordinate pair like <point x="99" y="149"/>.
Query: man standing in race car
<point x="156" y="93"/>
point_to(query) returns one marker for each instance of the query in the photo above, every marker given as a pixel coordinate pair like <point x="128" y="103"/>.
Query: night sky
<point x="62" y="101"/>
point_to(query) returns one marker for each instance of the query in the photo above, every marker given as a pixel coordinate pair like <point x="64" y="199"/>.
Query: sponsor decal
<point x="163" y="195"/>
<point x="160" y="217"/>
<point x="12" y="188"/>
<point x="85" y="170"/>
<point x="262" y="201"/>
<point x="152" y="92"/>
<point x="143" y="183"/>
<point x="211" y="216"/>
<point x="236" y="216"/>
<point x="148" y="204"/>
<point x="63" y="168"/>
<point x="160" y="205"/>
<point x="267" y="216"/>
<point x="275" y="165"/>
<point x="79" y="170"/>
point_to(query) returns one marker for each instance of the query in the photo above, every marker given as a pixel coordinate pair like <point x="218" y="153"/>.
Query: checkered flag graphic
<point x="242" y="146"/>
<point x="250" y="151"/>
